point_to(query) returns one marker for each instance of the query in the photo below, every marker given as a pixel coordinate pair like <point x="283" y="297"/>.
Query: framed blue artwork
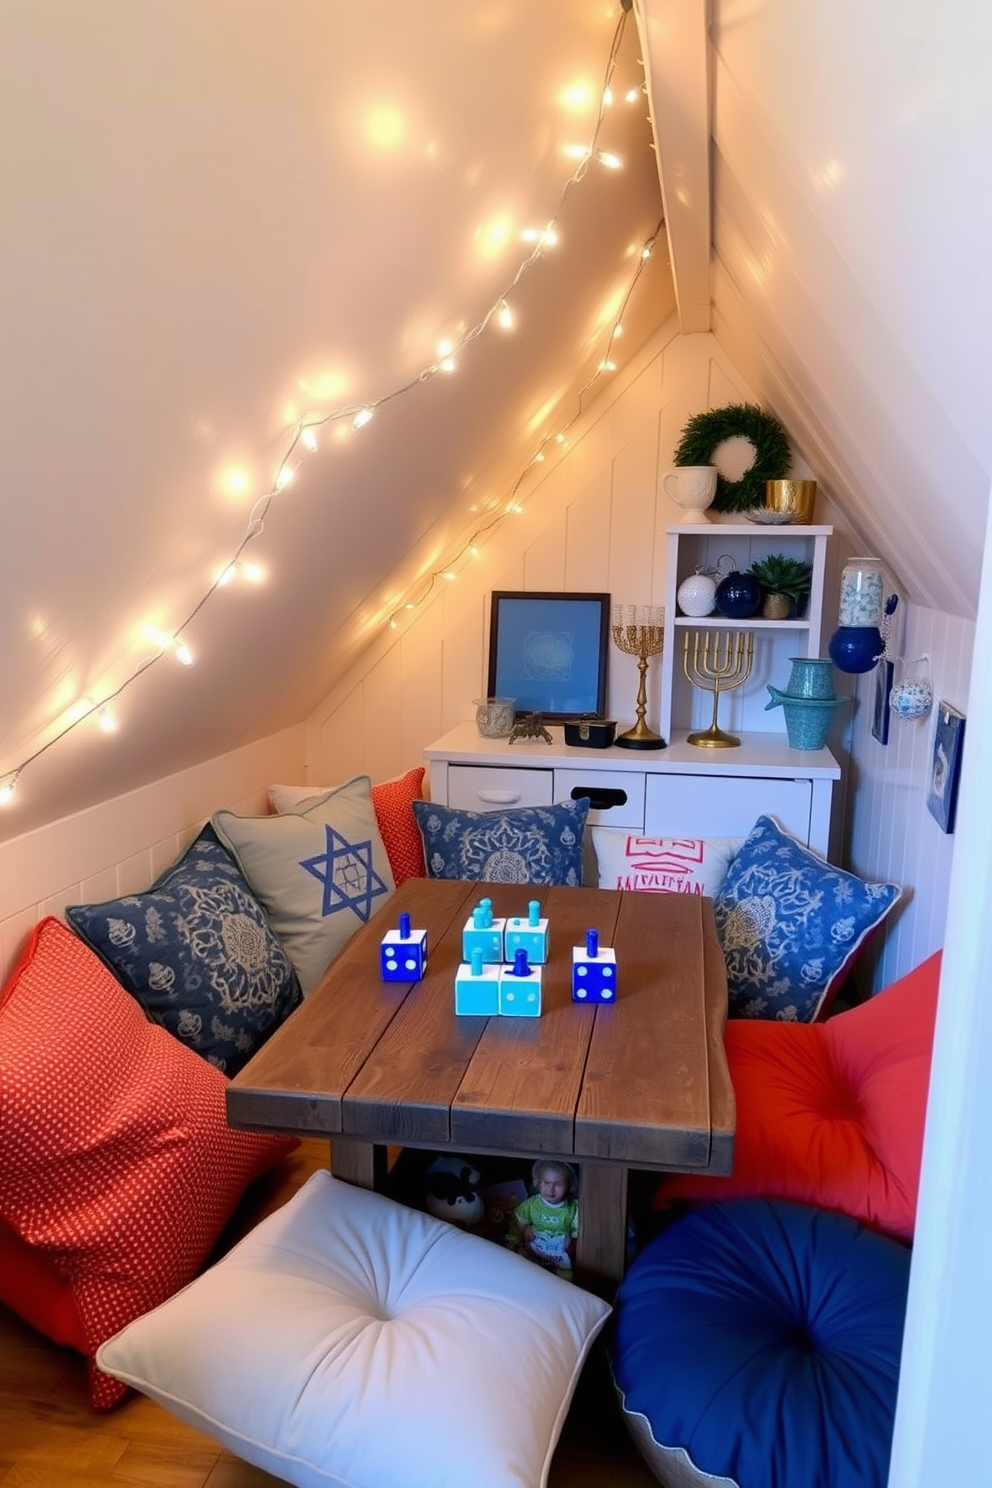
<point x="549" y="652"/>
<point x="945" y="765"/>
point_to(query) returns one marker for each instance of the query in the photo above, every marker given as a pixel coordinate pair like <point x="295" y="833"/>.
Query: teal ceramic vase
<point x="811" y="677"/>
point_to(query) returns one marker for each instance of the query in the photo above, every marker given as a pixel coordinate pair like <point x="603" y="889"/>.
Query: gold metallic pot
<point x="796" y="497"/>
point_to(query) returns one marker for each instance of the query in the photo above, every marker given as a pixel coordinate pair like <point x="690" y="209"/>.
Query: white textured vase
<point x="692" y="487"/>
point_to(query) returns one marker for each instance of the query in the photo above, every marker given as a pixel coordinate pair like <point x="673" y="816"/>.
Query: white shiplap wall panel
<point x="122" y="845"/>
<point x="893" y="835"/>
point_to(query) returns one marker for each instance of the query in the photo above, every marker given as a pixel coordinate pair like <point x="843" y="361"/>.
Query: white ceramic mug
<point x="692" y="487"/>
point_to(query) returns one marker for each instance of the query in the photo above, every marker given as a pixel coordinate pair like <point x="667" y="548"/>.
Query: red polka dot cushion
<point x="117" y="1167"/>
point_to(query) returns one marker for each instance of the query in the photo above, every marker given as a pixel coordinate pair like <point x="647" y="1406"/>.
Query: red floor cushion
<point x="117" y="1167"/>
<point x="832" y="1113"/>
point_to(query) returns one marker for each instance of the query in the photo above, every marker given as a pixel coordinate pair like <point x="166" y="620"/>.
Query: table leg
<point x="361" y="1163"/>
<point x="602" y="1245"/>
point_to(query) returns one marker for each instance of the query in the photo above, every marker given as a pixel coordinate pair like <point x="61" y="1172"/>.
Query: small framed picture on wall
<point x="945" y="765"/>
<point x="883" y="691"/>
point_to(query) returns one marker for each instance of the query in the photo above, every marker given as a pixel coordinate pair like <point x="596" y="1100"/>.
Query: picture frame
<point x="549" y="652"/>
<point x="945" y="765"/>
<point x="884" y="673"/>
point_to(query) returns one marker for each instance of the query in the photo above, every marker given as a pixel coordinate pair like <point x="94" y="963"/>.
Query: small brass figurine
<point x="529" y="727"/>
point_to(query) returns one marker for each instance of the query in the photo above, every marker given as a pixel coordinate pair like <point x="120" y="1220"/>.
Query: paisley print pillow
<point x="790" y="925"/>
<point x="531" y="844"/>
<point x="198" y="953"/>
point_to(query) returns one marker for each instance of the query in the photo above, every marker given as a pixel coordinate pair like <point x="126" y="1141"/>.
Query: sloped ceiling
<point x="851" y="244"/>
<point x="220" y="219"/>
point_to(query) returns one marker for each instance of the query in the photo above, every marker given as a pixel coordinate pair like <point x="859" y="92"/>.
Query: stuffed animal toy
<point x="451" y="1192"/>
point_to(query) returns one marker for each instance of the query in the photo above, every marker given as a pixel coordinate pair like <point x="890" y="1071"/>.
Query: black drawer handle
<point x="601" y="797"/>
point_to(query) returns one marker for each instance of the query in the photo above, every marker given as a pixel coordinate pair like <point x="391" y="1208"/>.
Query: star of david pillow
<point x="530" y="844"/>
<point x="790" y="925"/>
<point x="320" y="872"/>
<point x="198" y="953"/>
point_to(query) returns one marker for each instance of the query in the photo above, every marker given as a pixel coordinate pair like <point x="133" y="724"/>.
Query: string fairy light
<point x="304" y="439"/>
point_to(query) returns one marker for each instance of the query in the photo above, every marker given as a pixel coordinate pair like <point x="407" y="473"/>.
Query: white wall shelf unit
<point x="700" y="545"/>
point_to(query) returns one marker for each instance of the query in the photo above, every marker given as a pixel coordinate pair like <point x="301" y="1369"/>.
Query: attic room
<point x="321" y="326"/>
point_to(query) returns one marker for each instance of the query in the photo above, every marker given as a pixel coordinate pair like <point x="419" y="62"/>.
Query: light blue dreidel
<point x="520" y="988"/>
<point x="530" y="935"/>
<point x="477" y="987"/>
<point x="403" y="953"/>
<point x="483" y="933"/>
<point x="594" y="971"/>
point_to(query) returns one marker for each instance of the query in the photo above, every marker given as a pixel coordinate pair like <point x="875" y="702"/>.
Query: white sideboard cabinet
<point x="680" y="791"/>
<point x="683" y="790"/>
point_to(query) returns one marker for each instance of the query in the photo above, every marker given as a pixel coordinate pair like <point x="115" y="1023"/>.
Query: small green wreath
<point x="706" y="431"/>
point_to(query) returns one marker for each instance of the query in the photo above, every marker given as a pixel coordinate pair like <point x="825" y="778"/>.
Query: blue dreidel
<point x="483" y="933"/>
<point x="403" y="953"/>
<point x="520" y="988"/>
<point x="594" y="971"/>
<point x="477" y="987"/>
<point x="530" y="935"/>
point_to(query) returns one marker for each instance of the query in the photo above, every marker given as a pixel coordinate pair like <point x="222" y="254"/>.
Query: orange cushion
<point x="117" y="1167"/>
<point x="831" y="1114"/>
<point x="391" y="802"/>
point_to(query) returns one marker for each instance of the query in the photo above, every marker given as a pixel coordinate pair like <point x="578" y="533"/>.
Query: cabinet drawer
<point x="489" y="788"/>
<point x="617" y="795"/>
<point x="728" y="806"/>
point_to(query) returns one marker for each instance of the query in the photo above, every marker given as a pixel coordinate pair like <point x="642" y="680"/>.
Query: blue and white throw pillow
<point x="530" y="844"/>
<point x="790" y="925"/>
<point x="198" y="952"/>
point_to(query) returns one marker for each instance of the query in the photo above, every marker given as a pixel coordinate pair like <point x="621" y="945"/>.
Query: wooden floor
<point x="50" y="1438"/>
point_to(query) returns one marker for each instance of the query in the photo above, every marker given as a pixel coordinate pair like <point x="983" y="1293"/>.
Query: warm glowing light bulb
<point x="616" y="331"/>
<point x="8" y="785"/>
<point x="362" y="417"/>
<point x="254" y="573"/>
<point x="184" y="655"/>
<point x="607" y="158"/>
<point x="632" y="95"/>
<point x="448" y="364"/>
<point x="284" y="477"/>
<point x="539" y="458"/>
<point x="576" y="152"/>
<point x="79" y="709"/>
<point x="308" y="437"/>
<point x="646" y="250"/>
<point x="107" y="720"/>
<point x="607" y="366"/>
<point x="504" y="316"/>
<point x="227" y="575"/>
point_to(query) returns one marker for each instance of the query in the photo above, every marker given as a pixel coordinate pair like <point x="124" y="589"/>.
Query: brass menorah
<point x="720" y="662"/>
<point x="639" y="630"/>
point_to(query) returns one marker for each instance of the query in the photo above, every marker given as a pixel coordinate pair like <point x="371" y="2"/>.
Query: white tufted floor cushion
<point x="351" y="1341"/>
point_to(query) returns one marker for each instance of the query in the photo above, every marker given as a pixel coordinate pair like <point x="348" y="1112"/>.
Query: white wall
<point x="891" y="834"/>
<point x="122" y="845"/>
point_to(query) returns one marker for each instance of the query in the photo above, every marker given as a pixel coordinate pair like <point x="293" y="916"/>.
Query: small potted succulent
<point x="785" y="584"/>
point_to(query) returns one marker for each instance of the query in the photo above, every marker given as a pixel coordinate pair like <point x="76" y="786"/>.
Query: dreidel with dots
<point x="531" y="935"/>
<point x="477" y="987"/>
<point x="403" y="953"/>
<point x="594" y="971"/>
<point x="520" y="988"/>
<point x="483" y="933"/>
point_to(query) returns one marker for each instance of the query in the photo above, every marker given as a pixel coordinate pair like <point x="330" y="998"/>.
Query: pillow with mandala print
<point x="198" y="953"/>
<point x="530" y="844"/>
<point x="790" y="925"/>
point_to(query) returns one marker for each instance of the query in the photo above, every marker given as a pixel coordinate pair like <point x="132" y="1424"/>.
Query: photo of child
<point x="546" y="1225"/>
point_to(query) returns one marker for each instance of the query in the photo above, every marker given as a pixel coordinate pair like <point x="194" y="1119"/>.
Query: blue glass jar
<point x="738" y="596"/>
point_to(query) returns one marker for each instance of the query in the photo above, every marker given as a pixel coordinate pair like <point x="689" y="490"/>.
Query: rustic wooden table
<point x="642" y="1083"/>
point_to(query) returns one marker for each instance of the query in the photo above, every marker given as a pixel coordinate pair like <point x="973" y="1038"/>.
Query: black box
<point x="590" y="733"/>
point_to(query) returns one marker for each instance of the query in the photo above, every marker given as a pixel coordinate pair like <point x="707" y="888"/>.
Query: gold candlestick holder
<point x="639" y="630"/>
<point x="720" y="662"/>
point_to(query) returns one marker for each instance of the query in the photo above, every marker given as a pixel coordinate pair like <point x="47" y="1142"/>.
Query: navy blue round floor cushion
<point x="758" y="1343"/>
